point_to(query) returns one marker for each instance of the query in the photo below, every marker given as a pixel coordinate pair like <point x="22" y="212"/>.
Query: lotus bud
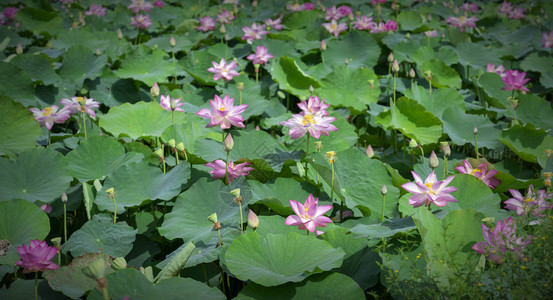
<point x="433" y="162"/>
<point x="369" y="151"/>
<point x="19" y="49"/>
<point x="97" y="52"/>
<point x="119" y="264"/>
<point x="172" y="41"/>
<point x="254" y="3"/>
<point x="447" y="151"/>
<point x="475" y="130"/>
<point x="253" y="220"/>
<point x="351" y="17"/>
<point x="240" y="86"/>
<point x="391" y="57"/>
<point x="119" y="34"/>
<point x="64" y="197"/>
<point x="154" y="91"/>
<point x="371" y="83"/>
<point x="346" y="61"/>
<point x="311" y="89"/>
<point x="331" y="156"/>
<point x="412" y="73"/>
<point x="222" y="29"/>
<point x="429" y="17"/>
<point x="384" y="190"/>
<point x="323" y="45"/>
<point x="159" y="153"/>
<point x="171" y="143"/>
<point x="395" y="66"/>
<point x="180" y="146"/>
<point x="413" y="143"/>
<point x="318" y="145"/>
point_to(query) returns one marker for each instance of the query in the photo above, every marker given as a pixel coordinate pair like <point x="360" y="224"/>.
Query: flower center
<point x="462" y="19"/>
<point x="222" y="108"/>
<point x="308" y="120"/>
<point x="475" y="170"/>
<point x="429" y="186"/>
<point x="333" y="27"/>
<point x="529" y="199"/>
<point x="306" y="209"/>
<point x="47" y="111"/>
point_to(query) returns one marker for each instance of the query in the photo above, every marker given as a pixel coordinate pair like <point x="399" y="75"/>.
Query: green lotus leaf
<point x="442" y="74"/>
<point x="19" y="130"/>
<point x="528" y="142"/>
<point x="21" y="222"/>
<point x="148" y="66"/>
<point x="491" y="84"/>
<point x="250" y="95"/>
<point x="437" y="102"/>
<point x="414" y="121"/>
<point x="188" y="220"/>
<point x="40" y="21"/>
<point x="410" y="20"/>
<point x="269" y="262"/>
<point x="107" y="42"/>
<point x="101" y="235"/>
<point x="132" y="190"/>
<point x="535" y="110"/>
<point x="80" y="63"/>
<point x="537" y="63"/>
<point x="359" y="48"/>
<point x="16" y="84"/>
<point x="142" y="119"/>
<point x="460" y="128"/>
<point x="25" y="289"/>
<point x="291" y="77"/>
<point x="112" y="91"/>
<point x="71" y="280"/>
<point x="37" y="174"/>
<point x="327" y="285"/>
<point x="448" y="56"/>
<point x="38" y="66"/>
<point x="350" y="88"/>
<point x="477" y="54"/>
<point x="197" y="63"/>
<point x="189" y="132"/>
<point x="97" y="157"/>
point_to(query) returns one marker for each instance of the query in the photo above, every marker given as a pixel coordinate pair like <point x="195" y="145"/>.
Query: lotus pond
<point x="202" y="149"/>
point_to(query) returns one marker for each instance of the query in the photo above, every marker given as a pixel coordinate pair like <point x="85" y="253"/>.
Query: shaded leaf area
<point x="269" y="261"/>
<point x="25" y="289"/>
<point x="16" y="84"/>
<point x="414" y="121"/>
<point x="71" y="280"/>
<point x="80" y="63"/>
<point x="459" y="126"/>
<point x="36" y="175"/>
<point x="291" y="77"/>
<point x="19" y="130"/>
<point x="101" y="235"/>
<point x="528" y="142"/>
<point x="21" y="222"/>
<point x="349" y="48"/>
<point x="146" y="65"/>
<point x="111" y="90"/>
<point x="38" y="66"/>
<point x="439" y="101"/>
<point x="132" y="190"/>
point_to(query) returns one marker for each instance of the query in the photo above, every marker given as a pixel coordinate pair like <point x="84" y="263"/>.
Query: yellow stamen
<point x="47" y="111"/>
<point x="307" y="119"/>
<point x="475" y="170"/>
<point x="222" y="108"/>
<point x="333" y="27"/>
<point x="529" y="199"/>
<point x="462" y="19"/>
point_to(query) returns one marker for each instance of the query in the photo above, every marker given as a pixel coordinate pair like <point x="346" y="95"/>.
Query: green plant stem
<point x="395" y="78"/>
<point x="445" y="167"/>
<point x="430" y="86"/>
<point x="172" y="117"/>
<point x="36" y="285"/>
<point x="15" y="272"/>
<point x="241" y="91"/>
<point x="219" y="234"/>
<point x="241" y="220"/>
<point x="205" y="276"/>
<point x="307" y="154"/>
<point x="84" y="124"/>
<point x="383" y="205"/>
<point x="49" y="144"/>
<point x="174" y="66"/>
<point x="307" y="231"/>
<point x="422" y="155"/>
<point x="65" y="222"/>
<point x="177" y="156"/>
<point x="256" y="76"/>
<point x="115" y="209"/>
<point x="105" y="292"/>
<point x="163" y="158"/>
<point x="476" y="144"/>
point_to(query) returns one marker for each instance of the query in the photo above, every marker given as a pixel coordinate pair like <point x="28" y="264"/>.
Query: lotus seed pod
<point x="180" y="146"/>
<point x="119" y="263"/>
<point x="213" y="217"/>
<point x="413" y="143"/>
<point x="159" y="153"/>
<point x="235" y="193"/>
<point x="318" y="145"/>
<point x="171" y="143"/>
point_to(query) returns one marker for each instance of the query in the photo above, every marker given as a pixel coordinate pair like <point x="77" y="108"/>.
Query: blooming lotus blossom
<point x="345" y="10"/>
<point x="462" y="22"/>
<point x="97" y="10"/>
<point x="505" y="8"/>
<point x="431" y="191"/>
<point x="234" y="171"/>
<point x="533" y="202"/>
<point x="10" y="12"/>
<point x="391" y="25"/>
<point x="309" y="215"/>
<point x="316" y="124"/>
<point x="171" y="104"/>
<point x="50" y="115"/>
<point x="384" y="27"/>
<point x="223" y="113"/>
<point x="141" y="21"/>
<point x="481" y="172"/>
<point x="313" y="106"/>
<point x="261" y="56"/>
<point x="299" y="7"/>
<point x="500" y="240"/>
<point x="335" y="28"/>
<point x="364" y="23"/>
<point x="472" y="7"/>
<point x="36" y="257"/>
<point x="223" y="70"/>
<point x="431" y="33"/>
<point x="225" y="17"/>
<point x="332" y="13"/>
<point x="547" y="39"/>
<point x="206" y="24"/>
<point x="500" y="70"/>
<point x="140" y="5"/>
<point x="46" y="208"/>
<point x="255" y="32"/>
<point x="159" y="3"/>
<point x="515" y="80"/>
<point x="81" y="104"/>
<point x="274" y="23"/>
<point x="517" y="13"/>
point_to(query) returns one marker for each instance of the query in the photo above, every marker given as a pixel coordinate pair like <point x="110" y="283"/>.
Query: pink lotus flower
<point x="46" y="208"/>
<point x="223" y="70"/>
<point x="391" y="25"/>
<point x="462" y="22"/>
<point x="223" y="113"/>
<point x="206" y="24"/>
<point x="547" y="39"/>
<point x="234" y="171"/>
<point x="96" y="10"/>
<point x="274" y="23"/>
<point x="332" y="13"/>
<point x="316" y="124"/>
<point x="10" y="12"/>
<point x="309" y="215"/>
<point x="225" y="17"/>
<point x="261" y="56"/>
<point x="534" y="203"/>
<point x="299" y="7"/>
<point x="515" y="80"/>
<point x="255" y="32"/>
<point x="140" y="5"/>
<point x="431" y="191"/>
<point x="171" y="104"/>
<point x="481" y="173"/>
<point x="364" y="23"/>
<point x="431" y="33"/>
<point x="505" y="8"/>
<point x="159" y="3"/>
<point x="81" y="104"/>
<point x="141" y="21"/>
<point x="501" y="239"/>
<point x="517" y="13"/>
<point x="335" y="28"/>
<point x="500" y="70"/>
<point x="472" y="7"/>
<point x="36" y="257"/>
<point x="313" y="106"/>
<point x="376" y="2"/>
<point x="345" y="10"/>
<point x="50" y="115"/>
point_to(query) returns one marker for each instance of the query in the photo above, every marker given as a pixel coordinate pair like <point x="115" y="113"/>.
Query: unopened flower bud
<point x="119" y="264"/>
<point x="391" y="57"/>
<point x="428" y="74"/>
<point x="180" y="146"/>
<point x="64" y="197"/>
<point x="433" y="161"/>
<point x="346" y="61"/>
<point x="475" y="130"/>
<point x="172" y="41"/>
<point x="351" y="17"/>
<point x="412" y="73"/>
<point x="311" y="89"/>
<point x="222" y="29"/>
<point x="119" y="34"/>
<point x="384" y="190"/>
<point x="447" y="151"/>
<point x="19" y="49"/>
<point x="254" y="3"/>
<point x="413" y="143"/>
<point x="395" y="66"/>
<point x="318" y="145"/>
<point x="369" y="151"/>
<point x="154" y="91"/>
<point x="429" y="17"/>
<point x="97" y="52"/>
<point x="253" y="220"/>
<point x="171" y="143"/>
<point x="323" y="45"/>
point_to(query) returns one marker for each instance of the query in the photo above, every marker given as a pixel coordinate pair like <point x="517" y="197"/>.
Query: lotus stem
<point x="84" y="124"/>
<point x="49" y="144"/>
<point x="445" y="167"/>
<point x="36" y="285"/>
<point x="307" y="154"/>
<point x="241" y="220"/>
<point x="383" y="205"/>
<point x="65" y="222"/>
<point x="174" y="67"/>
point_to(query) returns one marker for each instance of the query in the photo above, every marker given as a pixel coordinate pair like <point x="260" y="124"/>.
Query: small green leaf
<point x="176" y="263"/>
